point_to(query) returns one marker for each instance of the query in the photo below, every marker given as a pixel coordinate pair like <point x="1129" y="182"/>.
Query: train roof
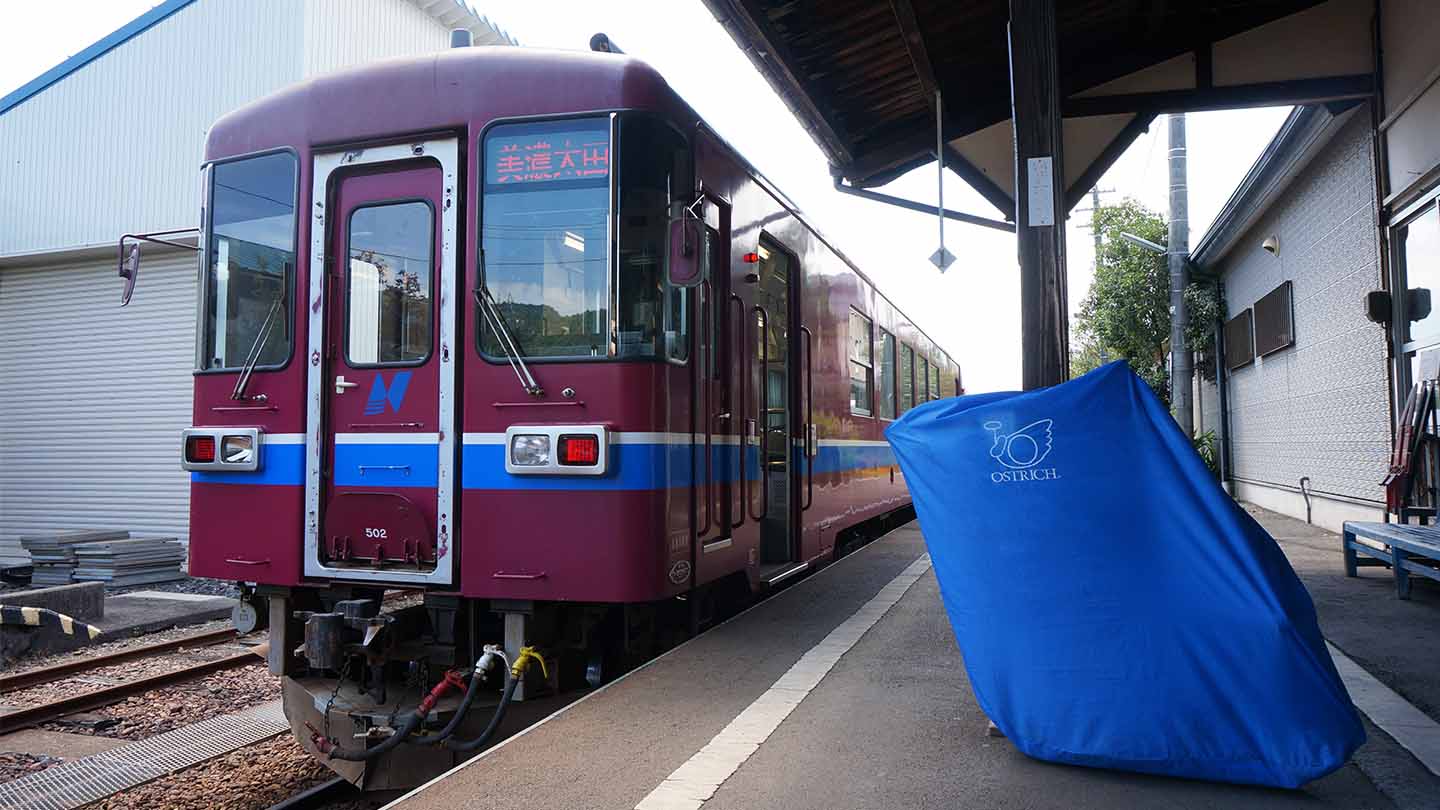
<point x="452" y="89"/>
<point x="443" y="90"/>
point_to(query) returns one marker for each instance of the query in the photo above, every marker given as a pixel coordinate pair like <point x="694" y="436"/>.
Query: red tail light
<point x="200" y="449"/>
<point x="580" y="450"/>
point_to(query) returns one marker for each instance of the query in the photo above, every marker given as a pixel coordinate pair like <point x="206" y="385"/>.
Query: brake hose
<point x="324" y="745"/>
<point x="476" y="678"/>
<point x="512" y="679"/>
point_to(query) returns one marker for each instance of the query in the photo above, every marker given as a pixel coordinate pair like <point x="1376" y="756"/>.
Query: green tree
<point x="1127" y="311"/>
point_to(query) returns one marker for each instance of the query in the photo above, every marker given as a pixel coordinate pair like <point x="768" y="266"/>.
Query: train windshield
<point x="569" y="279"/>
<point x="251" y="264"/>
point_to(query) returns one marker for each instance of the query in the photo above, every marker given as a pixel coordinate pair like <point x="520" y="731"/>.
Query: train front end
<point x="440" y="359"/>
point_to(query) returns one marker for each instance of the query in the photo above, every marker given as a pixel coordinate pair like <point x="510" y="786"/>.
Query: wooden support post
<point x="1039" y="193"/>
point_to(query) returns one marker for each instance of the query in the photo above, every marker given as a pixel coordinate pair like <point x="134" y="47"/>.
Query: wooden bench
<point x="1402" y="541"/>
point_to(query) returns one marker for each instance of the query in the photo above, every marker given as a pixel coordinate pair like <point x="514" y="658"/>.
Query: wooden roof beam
<point x="1260" y="94"/>
<point x="925" y="74"/>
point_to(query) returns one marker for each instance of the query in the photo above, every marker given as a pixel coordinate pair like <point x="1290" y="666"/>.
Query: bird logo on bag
<point x="1023" y="448"/>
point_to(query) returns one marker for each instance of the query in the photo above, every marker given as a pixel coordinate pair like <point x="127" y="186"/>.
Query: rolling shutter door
<point x="93" y="397"/>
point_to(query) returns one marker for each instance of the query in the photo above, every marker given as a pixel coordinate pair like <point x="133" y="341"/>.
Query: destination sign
<point x="547" y="157"/>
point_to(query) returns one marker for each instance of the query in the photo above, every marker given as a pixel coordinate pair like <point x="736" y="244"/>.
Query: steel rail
<point x="56" y="671"/>
<point x="318" y="796"/>
<point x="32" y="715"/>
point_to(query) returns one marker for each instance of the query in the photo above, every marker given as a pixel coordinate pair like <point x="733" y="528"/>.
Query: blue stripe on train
<point x="632" y="467"/>
<point x="280" y="465"/>
<point x="387" y="465"/>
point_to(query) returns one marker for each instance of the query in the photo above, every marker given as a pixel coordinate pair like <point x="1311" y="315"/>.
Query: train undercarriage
<point x="361" y="664"/>
<point x="358" y="662"/>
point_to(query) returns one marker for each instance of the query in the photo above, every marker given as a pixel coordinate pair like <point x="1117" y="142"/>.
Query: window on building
<point x="861" y="365"/>
<point x="934" y="381"/>
<point x="907" y="378"/>
<point x="388" y="283"/>
<point x="885" y="376"/>
<point x="922" y="378"/>
<point x="1419" y="250"/>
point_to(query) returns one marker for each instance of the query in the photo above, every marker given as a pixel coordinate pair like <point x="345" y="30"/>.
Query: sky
<point x="972" y="310"/>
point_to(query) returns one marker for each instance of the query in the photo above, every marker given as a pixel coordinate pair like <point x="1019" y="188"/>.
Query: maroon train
<point x="496" y="324"/>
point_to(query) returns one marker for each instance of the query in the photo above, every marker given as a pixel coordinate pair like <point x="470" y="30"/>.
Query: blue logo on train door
<point x="380" y="394"/>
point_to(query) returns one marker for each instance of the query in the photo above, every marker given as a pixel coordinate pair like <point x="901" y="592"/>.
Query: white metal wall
<point x="342" y="33"/>
<point x="116" y="146"/>
<point x="93" y="397"/>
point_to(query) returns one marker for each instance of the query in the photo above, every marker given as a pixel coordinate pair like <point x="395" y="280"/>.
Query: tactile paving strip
<point x="81" y="781"/>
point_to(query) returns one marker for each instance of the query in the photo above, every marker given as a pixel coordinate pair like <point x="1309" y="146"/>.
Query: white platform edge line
<point x="563" y="709"/>
<point x="657" y="438"/>
<point x="387" y="438"/>
<point x="1396" y="716"/>
<point x="693" y="783"/>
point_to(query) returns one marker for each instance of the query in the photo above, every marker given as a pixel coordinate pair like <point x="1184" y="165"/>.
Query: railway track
<point x="318" y="796"/>
<point x="56" y="671"/>
<point x="94" y="699"/>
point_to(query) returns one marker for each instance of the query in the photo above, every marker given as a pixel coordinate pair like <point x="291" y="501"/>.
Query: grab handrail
<point x="742" y="364"/>
<point x="809" y="420"/>
<point x="761" y="430"/>
<point x="702" y="369"/>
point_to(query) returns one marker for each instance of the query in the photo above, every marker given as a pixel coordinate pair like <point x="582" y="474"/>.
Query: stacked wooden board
<point x="122" y="563"/>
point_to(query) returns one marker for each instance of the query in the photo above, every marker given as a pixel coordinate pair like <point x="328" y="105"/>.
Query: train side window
<point x="388" y="283"/>
<point x="907" y="378"/>
<point x="677" y="325"/>
<point x="885" y="375"/>
<point x="861" y="365"/>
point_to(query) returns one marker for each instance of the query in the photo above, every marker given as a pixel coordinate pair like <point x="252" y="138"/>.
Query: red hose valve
<point x="320" y="741"/>
<point x="452" y="680"/>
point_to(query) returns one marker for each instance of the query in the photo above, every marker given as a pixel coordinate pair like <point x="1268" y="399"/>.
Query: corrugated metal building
<point x="1301" y="227"/>
<point x="93" y="397"/>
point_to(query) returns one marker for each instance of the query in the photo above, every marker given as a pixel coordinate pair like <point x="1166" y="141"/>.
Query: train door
<point x="773" y="432"/>
<point x="717" y="509"/>
<point x="380" y="459"/>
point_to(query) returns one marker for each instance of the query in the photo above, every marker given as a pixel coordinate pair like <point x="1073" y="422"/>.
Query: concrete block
<point x="84" y="600"/>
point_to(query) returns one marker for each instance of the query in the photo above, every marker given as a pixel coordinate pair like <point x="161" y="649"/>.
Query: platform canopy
<point x="861" y="75"/>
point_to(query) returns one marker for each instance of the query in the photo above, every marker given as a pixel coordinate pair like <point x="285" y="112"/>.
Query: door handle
<point x="341" y="384"/>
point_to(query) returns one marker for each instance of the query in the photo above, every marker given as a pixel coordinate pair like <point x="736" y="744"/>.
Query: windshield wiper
<point x="486" y="302"/>
<point x="253" y="356"/>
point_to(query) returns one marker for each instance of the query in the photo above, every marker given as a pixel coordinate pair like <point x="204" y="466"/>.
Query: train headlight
<point x="225" y="449"/>
<point x="237" y="449"/>
<point x="530" y="450"/>
<point x="557" y="450"/>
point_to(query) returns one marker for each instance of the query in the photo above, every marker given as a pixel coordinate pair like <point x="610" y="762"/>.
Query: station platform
<point x="846" y="690"/>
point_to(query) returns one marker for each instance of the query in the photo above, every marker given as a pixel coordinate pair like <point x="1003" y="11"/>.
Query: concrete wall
<point x="1318" y="408"/>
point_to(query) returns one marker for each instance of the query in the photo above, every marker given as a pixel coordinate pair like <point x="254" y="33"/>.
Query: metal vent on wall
<point x="1239" y="341"/>
<point x="1274" y="321"/>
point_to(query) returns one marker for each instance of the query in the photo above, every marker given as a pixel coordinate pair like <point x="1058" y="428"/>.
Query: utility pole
<point x="1095" y="227"/>
<point x="1178" y="253"/>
